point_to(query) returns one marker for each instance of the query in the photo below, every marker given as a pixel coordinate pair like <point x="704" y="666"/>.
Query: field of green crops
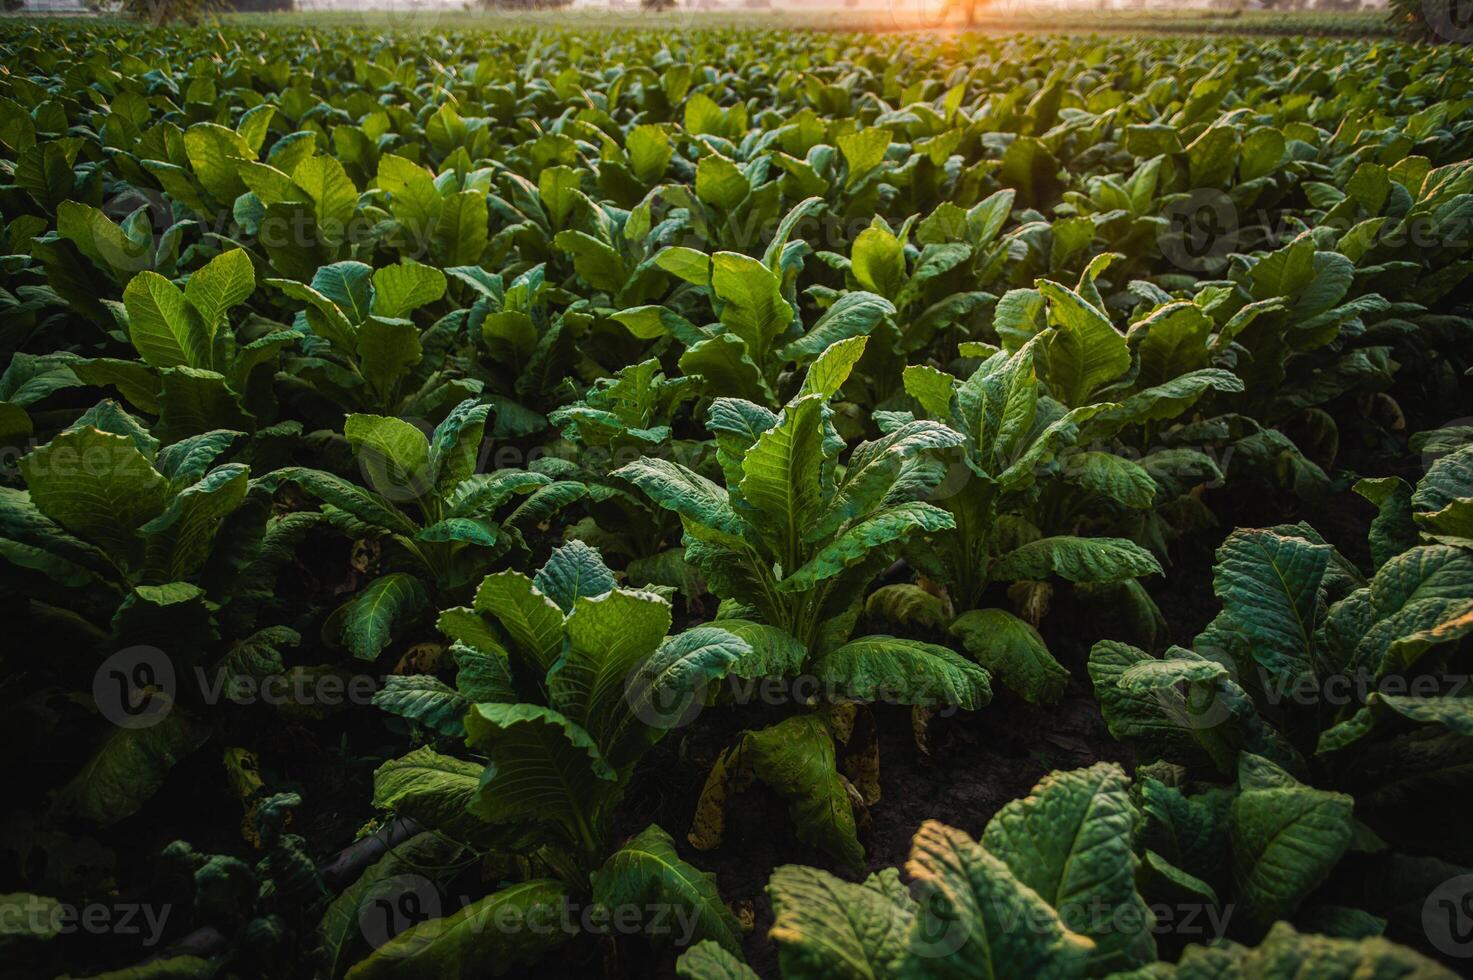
<point x="726" y="503"/>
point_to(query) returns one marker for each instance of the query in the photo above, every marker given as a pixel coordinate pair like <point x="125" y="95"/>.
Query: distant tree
<point x="523" y="4"/>
<point x="655" y="6"/>
<point x="166" y="11"/>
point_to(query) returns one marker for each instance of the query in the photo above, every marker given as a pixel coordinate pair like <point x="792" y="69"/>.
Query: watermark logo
<point x="135" y="687"/>
<point x="923" y="14"/>
<point x="660" y="706"/>
<point x="1199" y="231"/>
<point x="402" y="15"/>
<point x="35" y="915"/>
<point x="1449" y="20"/>
<point x="138" y="686"/>
<point x="395" y="905"/>
<point x="942" y="930"/>
<point x="1447" y="916"/>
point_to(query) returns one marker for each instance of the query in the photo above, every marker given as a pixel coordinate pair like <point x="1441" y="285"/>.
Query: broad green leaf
<point x="708" y="960"/>
<point x="827" y="927"/>
<point x="455" y="445"/>
<point x="863" y="539"/>
<point x="1174" y="342"/>
<point x="1443" y="500"/>
<point x="828" y="372"/>
<point x="796" y="759"/>
<point x="780" y="478"/>
<point x="557" y="188"/>
<point x="461" y="233"/>
<point x="1262" y="150"/>
<point x="599" y="265"/>
<point x="400" y="289"/>
<point x="997" y="406"/>
<point x="508" y="929"/>
<point x="224" y="282"/>
<point x="101" y="240"/>
<point x="855" y="315"/>
<point x="1163" y="722"/>
<point x="1287" y="953"/>
<point x="649" y="152"/>
<point x="109" y="416"/>
<point x="533" y="621"/>
<point x="1269" y="585"/>
<point x="1394" y="529"/>
<point x="971" y="903"/>
<point x="28" y="539"/>
<point x="542" y="768"/>
<point x="333" y="195"/>
<point x="1164" y="401"/>
<point x="692" y="265"/>
<point x="573" y="571"/>
<point x="483" y="666"/>
<point x="423" y="698"/>
<point x="213" y="152"/>
<point x="894" y="670"/>
<point x="129" y="767"/>
<point x="685" y="492"/>
<point x="871" y="473"/>
<point x="1112" y="476"/>
<point x="96" y="485"/>
<point x="387" y="349"/>
<point x="753" y="307"/>
<point x="647" y="873"/>
<point x="394" y="455"/>
<point x="334" y="490"/>
<point x="384" y="607"/>
<point x="1286" y="838"/>
<point x="413" y="199"/>
<point x="340" y="933"/>
<point x="1077" y="560"/>
<point x="608" y="637"/>
<point x="1189" y="831"/>
<point x="165" y="328"/>
<point x="720" y="182"/>
<point x="726" y="364"/>
<point x="180" y="540"/>
<point x="909" y="605"/>
<point x="1085" y="351"/>
<point x="863" y="150"/>
<point x="879" y="261"/>
<point x="651" y="322"/>
<point x="675" y="680"/>
<point x="1070" y="841"/>
<point x="771" y="652"/>
<point x="349" y="285"/>
<point x="933" y="388"/>
<point x="1013" y="652"/>
<point x="435" y="791"/>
